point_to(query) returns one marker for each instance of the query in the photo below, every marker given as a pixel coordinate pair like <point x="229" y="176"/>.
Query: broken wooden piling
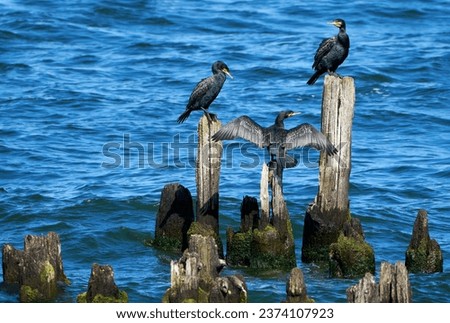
<point x="174" y="217"/>
<point x="195" y="277"/>
<point x="296" y="288"/>
<point x="102" y="287"/>
<point x="394" y="286"/>
<point x="424" y="255"/>
<point x="37" y="269"/>
<point x="327" y="217"/>
<point x="208" y="173"/>
<point x="269" y="242"/>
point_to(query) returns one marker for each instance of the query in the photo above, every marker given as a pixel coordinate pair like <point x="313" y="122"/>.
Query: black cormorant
<point x="206" y="91"/>
<point x="331" y="53"/>
<point x="275" y="138"/>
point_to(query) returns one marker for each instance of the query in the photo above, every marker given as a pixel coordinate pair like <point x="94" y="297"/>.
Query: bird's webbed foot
<point x="335" y="74"/>
<point x="210" y="116"/>
<point x="213" y="116"/>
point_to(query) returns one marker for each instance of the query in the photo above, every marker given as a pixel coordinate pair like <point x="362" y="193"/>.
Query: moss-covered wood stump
<point x="325" y="218"/>
<point x="320" y="231"/>
<point x="424" y="255"/>
<point x="239" y="252"/>
<point x="351" y="256"/>
<point x="37" y="269"/>
<point x="272" y="250"/>
<point x="263" y="243"/>
<point x="102" y="287"/>
<point x="174" y="217"/>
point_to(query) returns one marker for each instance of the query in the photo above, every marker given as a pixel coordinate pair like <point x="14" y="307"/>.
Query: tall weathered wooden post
<point x="334" y="171"/>
<point x="325" y="218"/>
<point x="329" y="217"/>
<point x="208" y="173"/>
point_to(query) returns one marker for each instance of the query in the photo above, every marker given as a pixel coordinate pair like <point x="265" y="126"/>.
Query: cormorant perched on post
<point x="206" y="91"/>
<point x="275" y="138"/>
<point x="331" y="53"/>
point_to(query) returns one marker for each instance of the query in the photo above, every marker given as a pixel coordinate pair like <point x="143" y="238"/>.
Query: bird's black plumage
<point x="276" y="138"/>
<point x="331" y="53"/>
<point x="206" y="91"/>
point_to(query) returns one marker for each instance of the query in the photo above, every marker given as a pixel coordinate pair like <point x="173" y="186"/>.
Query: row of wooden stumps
<point x="38" y="270"/>
<point x="265" y="239"/>
<point x="423" y="255"/>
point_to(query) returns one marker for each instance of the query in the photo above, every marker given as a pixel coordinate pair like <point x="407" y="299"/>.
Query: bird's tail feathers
<point x="184" y="116"/>
<point x="314" y="78"/>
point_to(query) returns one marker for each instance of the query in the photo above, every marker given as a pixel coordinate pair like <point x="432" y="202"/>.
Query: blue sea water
<point x="82" y="80"/>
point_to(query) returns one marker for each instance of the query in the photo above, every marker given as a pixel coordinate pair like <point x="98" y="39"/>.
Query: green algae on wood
<point x="351" y="257"/>
<point x="271" y="251"/>
<point x="239" y="248"/>
<point x="424" y="255"/>
<point x="102" y="288"/>
<point x="28" y="294"/>
<point x="37" y="268"/>
<point x="99" y="298"/>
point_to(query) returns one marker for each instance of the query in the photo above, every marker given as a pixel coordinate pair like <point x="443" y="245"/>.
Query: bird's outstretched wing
<point x="242" y="127"/>
<point x="324" y="48"/>
<point x="306" y="135"/>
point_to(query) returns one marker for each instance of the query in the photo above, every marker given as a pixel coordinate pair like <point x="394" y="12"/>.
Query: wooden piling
<point x="424" y="255"/>
<point x="394" y="286"/>
<point x="269" y="243"/>
<point x="37" y="268"/>
<point x="325" y="218"/>
<point x="338" y="103"/>
<point x="280" y="214"/>
<point x="296" y="288"/>
<point x="264" y="197"/>
<point x="208" y="173"/>
<point x="102" y="287"/>
<point x="365" y="291"/>
<point x="330" y="234"/>
<point x="249" y="214"/>
<point x="272" y="245"/>
<point x="174" y="217"/>
<point x="195" y="277"/>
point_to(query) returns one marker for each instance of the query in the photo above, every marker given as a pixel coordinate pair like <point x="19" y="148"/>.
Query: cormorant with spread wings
<point x="276" y="138"/>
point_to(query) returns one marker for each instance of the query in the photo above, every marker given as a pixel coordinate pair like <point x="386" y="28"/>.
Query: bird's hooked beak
<point x="335" y="23"/>
<point x="227" y="72"/>
<point x="294" y="114"/>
